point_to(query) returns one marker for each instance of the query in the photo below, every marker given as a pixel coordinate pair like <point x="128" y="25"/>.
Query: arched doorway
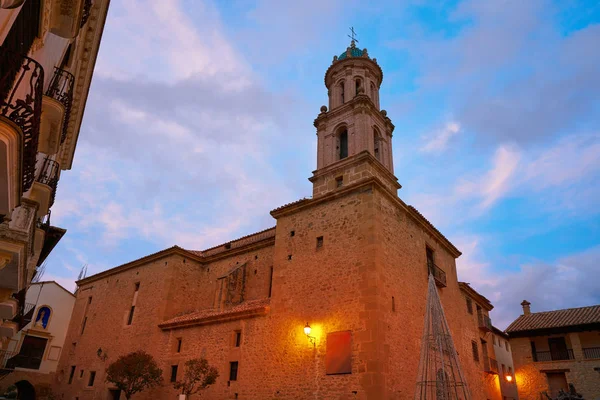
<point x="25" y="390"/>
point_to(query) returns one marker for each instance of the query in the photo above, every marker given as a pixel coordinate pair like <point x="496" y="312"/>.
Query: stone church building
<point x="352" y="262"/>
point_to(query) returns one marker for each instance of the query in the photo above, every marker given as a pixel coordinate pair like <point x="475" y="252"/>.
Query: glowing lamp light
<point x="307" y="329"/>
<point x="509" y="378"/>
<point x="312" y="339"/>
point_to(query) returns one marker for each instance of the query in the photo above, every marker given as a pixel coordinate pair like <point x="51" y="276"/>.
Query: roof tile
<point x="556" y="319"/>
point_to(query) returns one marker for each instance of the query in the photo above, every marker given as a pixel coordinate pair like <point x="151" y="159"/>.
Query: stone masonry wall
<point x="404" y="276"/>
<point x="531" y="381"/>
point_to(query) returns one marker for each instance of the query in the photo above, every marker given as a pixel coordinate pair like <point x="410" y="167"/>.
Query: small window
<point x="81" y="374"/>
<point x="470" y="305"/>
<point x="173" y="373"/>
<point x="90" y="300"/>
<point x="271" y="282"/>
<point x="342" y="97"/>
<point x="289" y="257"/>
<point x="137" y="286"/>
<point x="292" y="233"/>
<point x="71" y="374"/>
<point x="339" y="181"/>
<point x="506" y="345"/>
<point x="357" y="83"/>
<point x="376" y="142"/>
<point x="179" y="345"/>
<point x="343" y="149"/>
<point x="238" y="338"/>
<point x="130" y="319"/>
<point x="503" y="368"/>
<point x="510" y="370"/>
<point x="393" y="304"/>
<point x="233" y="370"/>
<point x="320" y="241"/>
<point x="83" y="324"/>
<point x="475" y="350"/>
<point x="494" y="340"/>
<point x="227" y="246"/>
<point x="92" y="378"/>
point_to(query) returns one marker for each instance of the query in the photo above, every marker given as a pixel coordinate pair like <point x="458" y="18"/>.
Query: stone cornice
<point x="189" y="254"/>
<point x="90" y="37"/>
<point x="140" y="262"/>
<point x="475" y="295"/>
<point x="341" y="64"/>
<point x="244" y="311"/>
<point x="363" y="156"/>
<point x="358" y="102"/>
<point x="358" y="185"/>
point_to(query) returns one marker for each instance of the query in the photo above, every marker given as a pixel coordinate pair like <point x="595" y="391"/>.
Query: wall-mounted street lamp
<point x="101" y="354"/>
<point x="509" y="378"/>
<point x="312" y="339"/>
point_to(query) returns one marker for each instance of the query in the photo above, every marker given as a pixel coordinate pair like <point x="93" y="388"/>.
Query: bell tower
<point x="354" y="136"/>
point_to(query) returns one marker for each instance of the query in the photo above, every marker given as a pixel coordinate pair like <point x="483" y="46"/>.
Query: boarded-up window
<point x="338" y="358"/>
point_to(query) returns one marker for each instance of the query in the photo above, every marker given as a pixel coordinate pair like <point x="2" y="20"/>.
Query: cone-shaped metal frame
<point x="440" y="376"/>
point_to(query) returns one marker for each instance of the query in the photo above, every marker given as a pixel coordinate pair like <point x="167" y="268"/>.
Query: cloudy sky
<point x="199" y="122"/>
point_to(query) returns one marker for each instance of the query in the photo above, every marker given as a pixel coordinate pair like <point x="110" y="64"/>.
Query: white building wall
<point x="504" y="357"/>
<point x="61" y="303"/>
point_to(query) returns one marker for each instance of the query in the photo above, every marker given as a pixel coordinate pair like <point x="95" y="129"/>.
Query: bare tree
<point x="198" y="376"/>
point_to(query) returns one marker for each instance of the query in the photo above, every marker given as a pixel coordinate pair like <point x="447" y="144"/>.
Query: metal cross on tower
<point x="440" y="376"/>
<point x="354" y="39"/>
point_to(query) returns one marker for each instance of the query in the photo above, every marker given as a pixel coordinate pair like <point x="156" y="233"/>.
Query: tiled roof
<point x="245" y="310"/>
<point x="302" y="200"/>
<point x="430" y="225"/>
<point x="244" y="240"/>
<point x="556" y="319"/>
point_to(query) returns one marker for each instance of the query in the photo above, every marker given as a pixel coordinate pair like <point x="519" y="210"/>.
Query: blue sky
<point x="199" y="122"/>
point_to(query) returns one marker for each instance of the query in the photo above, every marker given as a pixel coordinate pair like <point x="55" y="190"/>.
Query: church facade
<point x="352" y="263"/>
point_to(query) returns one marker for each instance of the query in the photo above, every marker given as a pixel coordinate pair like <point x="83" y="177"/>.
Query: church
<point x="327" y="304"/>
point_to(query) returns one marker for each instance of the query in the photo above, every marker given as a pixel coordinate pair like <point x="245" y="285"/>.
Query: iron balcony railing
<point x="21" y="80"/>
<point x="49" y="176"/>
<point x="61" y="89"/>
<point x="24" y="361"/>
<point x="485" y="323"/>
<point x="438" y="274"/>
<point x="87" y="10"/>
<point x="591" y="352"/>
<point x="5" y="356"/>
<point x="556" y="355"/>
<point x="25" y="315"/>
<point x="490" y="365"/>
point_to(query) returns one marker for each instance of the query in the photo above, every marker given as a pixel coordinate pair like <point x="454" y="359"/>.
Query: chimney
<point x="526" y="308"/>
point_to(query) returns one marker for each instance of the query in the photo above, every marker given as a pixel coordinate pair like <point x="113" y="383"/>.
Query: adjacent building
<point x="32" y="354"/>
<point x="328" y="303"/>
<point x="47" y="54"/>
<point x="489" y="349"/>
<point x="506" y="369"/>
<point x="553" y="349"/>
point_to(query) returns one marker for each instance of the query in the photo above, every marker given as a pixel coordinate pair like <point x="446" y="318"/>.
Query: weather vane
<point x="354" y="39"/>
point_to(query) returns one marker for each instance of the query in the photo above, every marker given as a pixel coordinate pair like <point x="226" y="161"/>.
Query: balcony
<point x="438" y="274"/>
<point x="490" y="365"/>
<point x="557" y="355"/>
<point x="21" y="80"/>
<point x="485" y="323"/>
<point x="69" y="16"/>
<point x="591" y="352"/>
<point x="56" y="111"/>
